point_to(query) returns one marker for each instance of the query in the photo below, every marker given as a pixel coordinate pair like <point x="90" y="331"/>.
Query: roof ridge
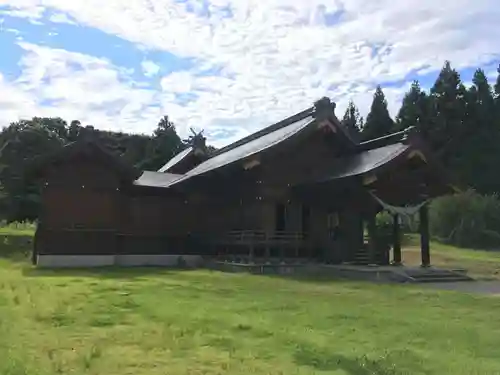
<point x="268" y="129"/>
<point x="387" y="140"/>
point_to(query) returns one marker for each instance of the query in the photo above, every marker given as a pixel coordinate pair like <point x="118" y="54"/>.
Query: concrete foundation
<point x="159" y="260"/>
<point x="75" y="261"/>
<point x="132" y="260"/>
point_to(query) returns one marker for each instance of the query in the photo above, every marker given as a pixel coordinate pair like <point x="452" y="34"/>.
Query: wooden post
<point x="372" y="246"/>
<point x="424" y="236"/>
<point x="396" y="240"/>
<point x="251" y="253"/>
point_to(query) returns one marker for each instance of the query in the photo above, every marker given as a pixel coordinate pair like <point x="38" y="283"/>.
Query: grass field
<point x="481" y="264"/>
<point x="151" y="321"/>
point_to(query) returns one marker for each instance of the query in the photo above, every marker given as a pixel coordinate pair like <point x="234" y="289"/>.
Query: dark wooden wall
<point x="88" y="208"/>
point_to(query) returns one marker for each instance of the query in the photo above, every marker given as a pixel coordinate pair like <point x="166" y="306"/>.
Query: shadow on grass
<point x="387" y="364"/>
<point x="16" y="248"/>
<point x="310" y="278"/>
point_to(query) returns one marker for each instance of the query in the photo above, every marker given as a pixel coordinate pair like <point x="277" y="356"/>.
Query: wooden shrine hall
<point x="301" y="188"/>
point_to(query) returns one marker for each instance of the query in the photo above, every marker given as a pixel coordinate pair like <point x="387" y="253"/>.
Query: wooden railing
<point x="252" y="237"/>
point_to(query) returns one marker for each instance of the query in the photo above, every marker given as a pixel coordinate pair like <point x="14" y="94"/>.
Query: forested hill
<point x="461" y="124"/>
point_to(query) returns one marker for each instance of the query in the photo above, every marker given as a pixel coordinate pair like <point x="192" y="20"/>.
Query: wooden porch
<point x="255" y="244"/>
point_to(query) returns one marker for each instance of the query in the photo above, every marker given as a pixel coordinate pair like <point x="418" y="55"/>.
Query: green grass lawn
<point x="152" y="321"/>
<point x="17" y="229"/>
<point x="480" y="264"/>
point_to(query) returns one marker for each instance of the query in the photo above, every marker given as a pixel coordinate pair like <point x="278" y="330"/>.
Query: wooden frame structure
<point x="300" y="188"/>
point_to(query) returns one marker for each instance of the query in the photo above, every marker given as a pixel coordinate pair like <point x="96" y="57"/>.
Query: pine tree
<point x="414" y="110"/>
<point x="477" y="161"/>
<point x="448" y="108"/>
<point x="497" y="86"/>
<point x="496" y="96"/>
<point x="353" y="121"/>
<point x="378" y="122"/>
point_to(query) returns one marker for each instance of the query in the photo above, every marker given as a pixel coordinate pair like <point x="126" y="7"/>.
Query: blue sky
<point x="228" y="66"/>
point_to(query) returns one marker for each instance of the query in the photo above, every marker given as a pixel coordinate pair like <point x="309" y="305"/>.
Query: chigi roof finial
<point x="197" y="140"/>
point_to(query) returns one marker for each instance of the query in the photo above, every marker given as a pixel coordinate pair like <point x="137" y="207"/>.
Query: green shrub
<point x="384" y="223"/>
<point x="468" y="219"/>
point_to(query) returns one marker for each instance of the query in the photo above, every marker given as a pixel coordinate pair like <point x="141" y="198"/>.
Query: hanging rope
<point x="407" y="211"/>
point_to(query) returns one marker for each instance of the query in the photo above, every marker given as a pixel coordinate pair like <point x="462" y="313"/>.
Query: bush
<point x="384" y="222"/>
<point x="468" y="219"/>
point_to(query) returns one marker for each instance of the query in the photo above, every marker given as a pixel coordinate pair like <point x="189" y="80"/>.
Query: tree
<point x="163" y="146"/>
<point x="448" y="108"/>
<point x="74" y="130"/>
<point x="378" y="122"/>
<point x="352" y="120"/>
<point x="414" y="110"/>
<point x="20" y="143"/>
<point x="497" y="86"/>
<point x="477" y="161"/>
<point x="496" y="96"/>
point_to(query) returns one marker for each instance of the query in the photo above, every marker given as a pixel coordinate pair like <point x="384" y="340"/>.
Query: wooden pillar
<point x="424" y="236"/>
<point x="372" y="246"/>
<point x="396" y="240"/>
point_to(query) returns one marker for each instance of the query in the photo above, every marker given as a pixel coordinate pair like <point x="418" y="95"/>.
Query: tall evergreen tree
<point x="496" y="95"/>
<point x="448" y="107"/>
<point x="378" y="122"/>
<point x="352" y="120"/>
<point x="477" y="160"/>
<point x="414" y="110"/>
<point x="497" y="85"/>
<point x="481" y="101"/>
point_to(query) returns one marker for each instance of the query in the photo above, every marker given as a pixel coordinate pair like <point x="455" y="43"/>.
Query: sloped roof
<point x="243" y="150"/>
<point x="176" y="159"/>
<point x="83" y="147"/>
<point x="156" y="179"/>
<point x="366" y="161"/>
<point x="269" y="129"/>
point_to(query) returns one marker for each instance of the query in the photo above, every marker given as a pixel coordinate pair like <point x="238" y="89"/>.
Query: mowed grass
<point x="157" y="321"/>
<point x="17" y="229"/>
<point x="481" y="264"/>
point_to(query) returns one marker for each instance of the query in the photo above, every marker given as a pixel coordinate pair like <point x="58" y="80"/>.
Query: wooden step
<point x="438" y="276"/>
<point x="442" y="279"/>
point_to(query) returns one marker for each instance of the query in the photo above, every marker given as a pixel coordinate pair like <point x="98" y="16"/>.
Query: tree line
<point x="461" y="124"/>
<point x="23" y="141"/>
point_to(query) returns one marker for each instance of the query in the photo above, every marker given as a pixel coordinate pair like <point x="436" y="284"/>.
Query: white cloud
<point x="23" y="9"/>
<point x="61" y="18"/>
<point x="56" y="82"/>
<point x="277" y="56"/>
<point x="149" y="68"/>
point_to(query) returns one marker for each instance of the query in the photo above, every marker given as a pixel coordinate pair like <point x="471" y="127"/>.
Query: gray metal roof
<point x="247" y="149"/>
<point x="366" y="161"/>
<point x="176" y="159"/>
<point x="156" y="179"/>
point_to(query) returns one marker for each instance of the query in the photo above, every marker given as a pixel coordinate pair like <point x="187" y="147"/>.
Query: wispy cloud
<point x="251" y="62"/>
